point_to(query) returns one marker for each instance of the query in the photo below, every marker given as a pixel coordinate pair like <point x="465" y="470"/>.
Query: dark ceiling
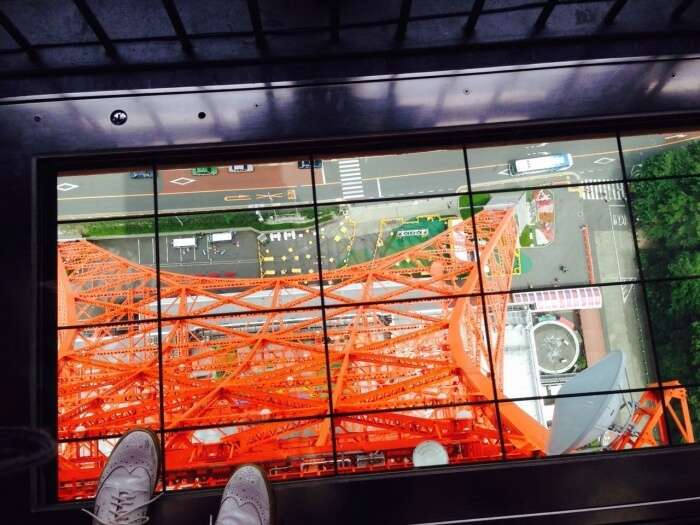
<point x="81" y="45"/>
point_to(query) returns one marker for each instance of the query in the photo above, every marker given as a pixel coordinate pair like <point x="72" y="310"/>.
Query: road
<point x="414" y="174"/>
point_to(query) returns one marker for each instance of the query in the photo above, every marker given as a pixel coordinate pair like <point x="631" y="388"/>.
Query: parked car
<point x="205" y="170"/>
<point x="241" y="168"/>
<point x="306" y="164"/>
<point x="145" y="174"/>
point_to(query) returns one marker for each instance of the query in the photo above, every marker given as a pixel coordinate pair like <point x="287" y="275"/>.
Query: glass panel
<point x="666" y="154"/>
<point x="667" y="220"/>
<point x="554" y="238"/>
<point x="674" y="307"/>
<point x="397" y="250"/>
<point x="410" y="354"/>
<point x="244" y="368"/>
<point x="385" y="176"/>
<point x="107" y="379"/>
<point x="80" y="465"/>
<point x="401" y="440"/>
<point x="284" y="450"/>
<point x="583" y="424"/>
<point x="86" y="195"/>
<point x="584" y="339"/>
<point x="239" y="261"/>
<point x="236" y="184"/>
<point x="544" y="164"/>
<point x="106" y="271"/>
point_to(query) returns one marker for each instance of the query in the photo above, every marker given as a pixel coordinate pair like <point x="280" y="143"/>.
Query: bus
<point x="545" y="164"/>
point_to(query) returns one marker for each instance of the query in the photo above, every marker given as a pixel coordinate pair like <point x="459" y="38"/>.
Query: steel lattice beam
<point x="96" y="27"/>
<point x="544" y="16"/>
<point x="614" y="10"/>
<point x="236" y="362"/>
<point x="474" y="14"/>
<point x="17" y="36"/>
<point x="404" y="15"/>
<point x="178" y="26"/>
<point x="681" y="8"/>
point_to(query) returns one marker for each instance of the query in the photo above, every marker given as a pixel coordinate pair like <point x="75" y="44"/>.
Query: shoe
<point x="128" y="480"/>
<point x="247" y="498"/>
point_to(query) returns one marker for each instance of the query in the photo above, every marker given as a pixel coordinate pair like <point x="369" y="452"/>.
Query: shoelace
<point x="119" y="516"/>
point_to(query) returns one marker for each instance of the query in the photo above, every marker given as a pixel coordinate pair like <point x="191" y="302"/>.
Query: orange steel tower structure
<point x="399" y="355"/>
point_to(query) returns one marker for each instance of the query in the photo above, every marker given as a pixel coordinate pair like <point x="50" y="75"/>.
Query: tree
<point x="667" y="214"/>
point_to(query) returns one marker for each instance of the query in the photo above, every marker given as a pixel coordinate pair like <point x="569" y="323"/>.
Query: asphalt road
<point x="415" y="174"/>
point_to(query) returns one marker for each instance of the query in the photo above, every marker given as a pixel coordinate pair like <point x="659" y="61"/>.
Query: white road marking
<point x="612" y="191"/>
<point x="617" y="257"/>
<point x="626" y="291"/>
<point x="138" y="249"/>
<point x="379" y="188"/>
<point x="351" y="184"/>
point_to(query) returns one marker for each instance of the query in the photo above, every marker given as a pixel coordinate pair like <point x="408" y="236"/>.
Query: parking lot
<point x="294" y="252"/>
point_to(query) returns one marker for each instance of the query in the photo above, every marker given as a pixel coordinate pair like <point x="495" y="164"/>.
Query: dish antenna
<point x="579" y="420"/>
<point x="429" y="454"/>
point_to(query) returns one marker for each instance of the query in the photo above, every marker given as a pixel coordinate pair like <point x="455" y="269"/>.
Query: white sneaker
<point x="128" y="480"/>
<point x="246" y="499"/>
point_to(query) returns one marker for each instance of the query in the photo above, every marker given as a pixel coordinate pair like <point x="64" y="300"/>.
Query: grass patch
<point x="396" y="244"/>
<point x="527" y="236"/>
<point x="479" y="200"/>
<point x="196" y="223"/>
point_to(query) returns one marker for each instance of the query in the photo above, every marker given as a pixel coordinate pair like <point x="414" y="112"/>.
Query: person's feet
<point x="246" y="499"/>
<point x="128" y="480"/>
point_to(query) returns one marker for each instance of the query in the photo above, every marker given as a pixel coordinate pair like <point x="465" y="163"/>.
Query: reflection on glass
<point x="386" y="176"/>
<point x="544" y="164"/>
<point x="286" y="450"/>
<point x="106" y="271"/>
<point x="417" y="438"/>
<point x="234" y="185"/>
<point x="397" y="250"/>
<point x="660" y="155"/>
<point x="94" y="195"/>
<point x="554" y="336"/>
<point x="673" y="308"/>
<point x="584" y="424"/>
<point x="244" y="368"/>
<point x="667" y="220"/>
<point x="555" y="237"/>
<point x="411" y="354"/>
<point x="107" y="379"/>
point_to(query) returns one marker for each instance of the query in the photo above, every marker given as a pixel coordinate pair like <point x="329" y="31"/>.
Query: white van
<point x="545" y="164"/>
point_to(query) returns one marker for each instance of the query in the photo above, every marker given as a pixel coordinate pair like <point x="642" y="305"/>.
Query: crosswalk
<point x="351" y="179"/>
<point x="611" y="191"/>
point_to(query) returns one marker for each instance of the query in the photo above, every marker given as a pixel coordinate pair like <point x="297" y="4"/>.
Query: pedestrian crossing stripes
<point x="612" y="191"/>
<point x="351" y="179"/>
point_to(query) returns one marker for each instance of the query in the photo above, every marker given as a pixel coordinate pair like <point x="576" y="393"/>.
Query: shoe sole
<point x="268" y="486"/>
<point x="155" y="439"/>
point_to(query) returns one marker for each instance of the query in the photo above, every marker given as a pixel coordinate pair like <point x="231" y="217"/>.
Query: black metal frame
<point x="41" y="136"/>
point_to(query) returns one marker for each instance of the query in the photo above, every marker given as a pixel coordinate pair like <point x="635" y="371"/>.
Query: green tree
<point x="667" y="215"/>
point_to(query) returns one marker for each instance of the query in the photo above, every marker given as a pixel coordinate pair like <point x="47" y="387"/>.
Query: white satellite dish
<point x="429" y="454"/>
<point x="579" y="420"/>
